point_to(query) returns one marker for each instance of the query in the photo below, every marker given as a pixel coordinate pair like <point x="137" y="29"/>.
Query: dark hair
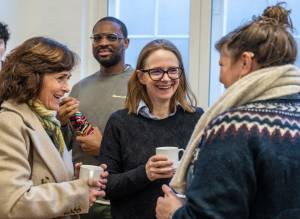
<point x="268" y="37"/>
<point x="137" y="91"/>
<point x="25" y="66"/>
<point x="114" y="20"/>
<point x="4" y="34"/>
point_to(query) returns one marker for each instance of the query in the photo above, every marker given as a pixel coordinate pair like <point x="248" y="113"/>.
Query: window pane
<point x="298" y="57"/>
<point x="136" y="14"/>
<point x="134" y="48"/>
<point x="173" y="18"/>
<point x="152" y="19"/>
<point x="239" y="12"/>
<point x="295" y="15"/>
<point x="181" y="44"/>
<point x="228" y="15"/>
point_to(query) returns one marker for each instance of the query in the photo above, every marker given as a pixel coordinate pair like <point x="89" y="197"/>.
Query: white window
<point x="229" y="14"/>
<point x="176" y="20"/>
<point x="152" y="19"/>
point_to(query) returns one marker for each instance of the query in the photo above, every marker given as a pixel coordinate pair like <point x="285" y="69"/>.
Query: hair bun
<point x="278" y="14"/>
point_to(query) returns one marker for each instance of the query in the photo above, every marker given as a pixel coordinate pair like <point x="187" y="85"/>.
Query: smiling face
<point x="54" y="87"/>
<point x="160" y="92"/>
<point x="109" y="53"/>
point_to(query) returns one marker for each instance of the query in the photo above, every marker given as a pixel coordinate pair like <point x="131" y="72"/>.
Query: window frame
<point x="199" y="47"/>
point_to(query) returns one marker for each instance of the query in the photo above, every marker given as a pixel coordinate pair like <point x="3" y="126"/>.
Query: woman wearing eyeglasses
<point x="160" y="111"/>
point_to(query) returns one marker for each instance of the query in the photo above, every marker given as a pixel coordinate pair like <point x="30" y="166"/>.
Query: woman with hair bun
<point x="249" y="162"/>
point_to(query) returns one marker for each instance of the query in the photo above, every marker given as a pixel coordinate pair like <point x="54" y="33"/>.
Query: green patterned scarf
<point x="49" y="122"/>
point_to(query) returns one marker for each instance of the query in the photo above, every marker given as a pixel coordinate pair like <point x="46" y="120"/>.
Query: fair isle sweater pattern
<point x="272" y="118"/>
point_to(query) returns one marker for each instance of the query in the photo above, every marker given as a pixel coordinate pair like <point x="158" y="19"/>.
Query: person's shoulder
<point x="118" y="115"/>
<point x="89" y="79"/>
<point x="128" y="71"/>
<point x="199" y="111"/>
<point x="266" y="109"/>
<point x="229" y="116"/>
<point x="120" y="112"/>
<point x="250" y="116"/>
<point x="9" y="117"/>
<point x="119" y="118"/>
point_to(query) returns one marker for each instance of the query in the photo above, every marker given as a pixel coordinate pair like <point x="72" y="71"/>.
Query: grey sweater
<point x="99" y="96"/>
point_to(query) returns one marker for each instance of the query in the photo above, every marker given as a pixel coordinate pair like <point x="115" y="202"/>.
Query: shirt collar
<point x="144" y="111"/>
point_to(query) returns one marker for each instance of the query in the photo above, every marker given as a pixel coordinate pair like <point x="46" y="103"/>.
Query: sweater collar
<point x="144" y="111"/>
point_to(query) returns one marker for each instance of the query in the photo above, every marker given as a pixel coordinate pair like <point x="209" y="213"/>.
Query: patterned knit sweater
<point x="249" y="164"/>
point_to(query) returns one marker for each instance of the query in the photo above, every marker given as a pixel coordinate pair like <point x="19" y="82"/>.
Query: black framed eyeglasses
<point x="156" y="74"/>
<point x="111" y="37"/>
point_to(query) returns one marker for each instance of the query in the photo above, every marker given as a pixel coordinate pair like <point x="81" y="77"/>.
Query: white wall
<point x="71" y="22"/>
<point x="68" y="21"/>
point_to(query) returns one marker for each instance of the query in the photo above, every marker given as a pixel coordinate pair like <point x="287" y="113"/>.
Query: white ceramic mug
<point x="90" y="172"/>
<point x="171" y="152"/>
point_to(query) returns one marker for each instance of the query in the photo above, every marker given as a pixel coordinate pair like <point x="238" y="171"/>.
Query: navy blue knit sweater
<point x="249" y="165"/>
<point x="128" y="142"/>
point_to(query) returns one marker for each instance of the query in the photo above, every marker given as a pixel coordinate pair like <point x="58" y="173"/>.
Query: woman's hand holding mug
<point x="96" y="178"/>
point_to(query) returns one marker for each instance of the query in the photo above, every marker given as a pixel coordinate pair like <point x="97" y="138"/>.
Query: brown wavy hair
<point x="138" y="92"/>
<point x="267" y="36"/>
<point x="24" y="68"/>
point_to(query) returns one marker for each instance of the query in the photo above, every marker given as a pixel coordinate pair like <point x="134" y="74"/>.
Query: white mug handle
<point x="179" y="150"/>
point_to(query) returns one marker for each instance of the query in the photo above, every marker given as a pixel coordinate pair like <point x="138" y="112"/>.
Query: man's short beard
<point x="113" y="60"/>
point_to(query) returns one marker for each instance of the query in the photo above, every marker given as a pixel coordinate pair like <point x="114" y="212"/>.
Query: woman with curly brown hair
<point x="36" y="171"/>
<point x="248" y="165"/>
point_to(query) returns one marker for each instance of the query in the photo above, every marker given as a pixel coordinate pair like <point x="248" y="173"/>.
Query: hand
<point x="167" y="205"/>
<point x="91" y="143"/>
<point x="159" y="167"/>
<point x="95" y="191"/>
<point x="96" y="188"/>
<point x="68" y="107"/>
<point x="103" y="177"/>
